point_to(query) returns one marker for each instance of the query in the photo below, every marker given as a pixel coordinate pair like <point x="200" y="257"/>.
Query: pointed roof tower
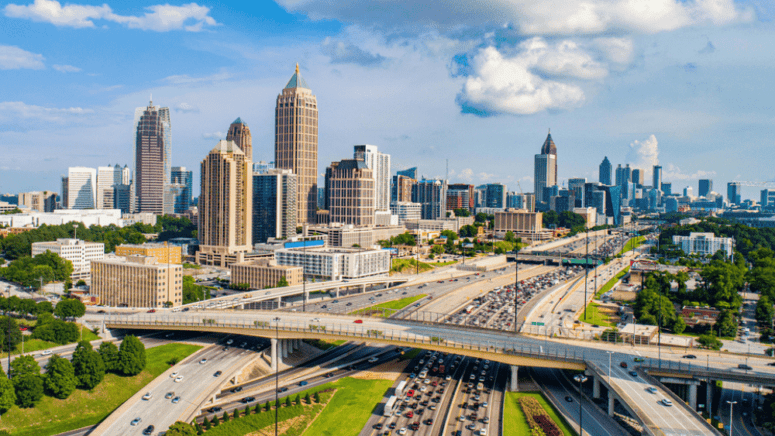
<point x="549" y="147"/>
<point x="239" y="121"/>
<point x="239" y="132"/>
<point x="297" y="81"/>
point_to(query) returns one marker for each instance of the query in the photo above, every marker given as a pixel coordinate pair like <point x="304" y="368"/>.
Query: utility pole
<point x="586" y="274"/>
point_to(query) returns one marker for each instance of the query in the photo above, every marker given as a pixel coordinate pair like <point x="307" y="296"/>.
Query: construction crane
<point x="770" y="184"/>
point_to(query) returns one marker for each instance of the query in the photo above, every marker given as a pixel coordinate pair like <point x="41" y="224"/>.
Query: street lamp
<point x="731" y="403"/>
<point x="581" y="379"/>
<point x="586" y="274"/>
<point x="516" y="288"/>
<point x="276" y="372"/>
<point x="610" y="353"/>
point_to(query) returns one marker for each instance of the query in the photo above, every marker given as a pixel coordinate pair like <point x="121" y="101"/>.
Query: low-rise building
<point x="148" y="218"/>
<point x="79" y="253"/>
<point x="39" y="201"/>
<point x="439" y="225"/>
<point x="589" y="214"/>
<point x="137" y="281"/>
<point x="264" y="273"/>
<point x="350" y="236"/>
<point x="699" y="315"/>
<point x="406" y="211"/>
<point x="518" y="221"/>
<point x="88" y="217"/>
<point x="327" y="263"/>
<point x="639" y="270"/>
<point x="163" y="253"/>
<point x="705" y="244"/>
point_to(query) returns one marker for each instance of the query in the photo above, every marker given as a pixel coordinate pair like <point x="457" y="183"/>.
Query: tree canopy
<point x="60" y="380"/>
<point x="131" y="356"/>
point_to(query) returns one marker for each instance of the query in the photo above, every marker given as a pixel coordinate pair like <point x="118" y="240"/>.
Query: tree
<point x="131" y="356"/>
<point x="247" y="411"/>
<point x="679" y="325"/>
<point x="206" y="424"/>
<point x="317" y="397"/>
<point x="462" y="212"/>
<point x="297" y="400"/>
<point x="215" y="421"/>
<point x="29" y="389"/>
<point x="764" y="311"/>
<point x="181" y="428"/>
<point x="288" y="402"/>
<point x="726" y="324"/>
<point x="257" y="410"/>
<point x="109" y="354"/>
<point x="236" y="413"/>
<point x="57" y="331"/>
<point x="7" y="394"/>
<point x="88" y="365"/>
<point x="8" y="324"/>
<point x="80" y="283"/>
<point x="510" y="237"/>
<point x="59" y="380"/>
<point x="710" y="341"/>
<point x="70" y="308"/>
<point x="282" y="283"/>
<point x="24" y="365"/>
<point x="307" y="399"/>
<point x="225" y="418"/>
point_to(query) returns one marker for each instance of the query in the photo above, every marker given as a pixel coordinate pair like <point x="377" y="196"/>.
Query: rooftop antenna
<point x="151" y="100"/>
<point x="447" y="176"/>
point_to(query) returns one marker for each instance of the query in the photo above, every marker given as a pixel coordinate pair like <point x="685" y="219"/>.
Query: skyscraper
<point x="657" y="177"/>
<point x="296" y="142"/>
<point x="81" y="188"/>
<point x="706" y="187"/>
<point x="460" y="196"/>
<point x="152" y="159"/>
<point x="733" y="193"/>
<point x="113" y="187"/>
<point x="638" y="177"/>
<point x="274" y="205"/>
<point x="351" y="193"/>
<point x="432" y="195"/>
<point x="551" y="149"/>
<point x="409" y="172"/>
<point x="239" y="132"/>
<point x="225" y="206"/>
<point x="605" y="171"/>
<point x="545" y="175"/>
<point x="183" y="178"/>
<point x="379" y="164"/>
<point x="402" y="189"/>
<point x="577" y="186"/>
<point x="496" y="195"/>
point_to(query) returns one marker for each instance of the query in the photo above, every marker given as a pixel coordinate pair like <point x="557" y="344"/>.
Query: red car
<point x="623" y="364"/>
<point x="152" y="311"/>
<point x="409" y="414"/>
<point x="410" y="393"/>
<point x="358" y="321"/>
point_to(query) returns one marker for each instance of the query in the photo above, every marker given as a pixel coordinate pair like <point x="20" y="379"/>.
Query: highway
<point x="742" y="411"/>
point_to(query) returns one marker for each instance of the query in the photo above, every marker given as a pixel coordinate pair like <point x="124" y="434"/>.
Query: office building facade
<point x="336" y="263"/>
<point x="153" y="148"/>
<point x="274" y="205"/>
<point x="79" y="253"/>
<point x="766" y="198"/>
<point x="163" y="253"/>
<point x="656" y="177"/>
<point x="137" y="281"/>
<point x="705" y="244"/>
<point x="409" y="172"/>
<point x="402" y="188"/>
<point x="39" y="201"/>
<point x="81" y="188"/>
<point x="351" y="193"/>
<point x="432" y="196"/>
<point x="225" y="205"/>
<point x="406" y="211"/>
<point x="183" y="197"/>
<point x="462" y="195"/>
<point x="264" y="273"/>
<point x="604" y="175"/>
<point x="379" y="164"/>
<point x="706" y="187"/>
<point x="296" y="142"/>
<point x="544" y="175"/>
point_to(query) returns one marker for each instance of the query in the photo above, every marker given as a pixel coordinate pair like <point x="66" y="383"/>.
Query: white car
<point x="402" y="431"/>
<point x="483" y="432"/>
<point x="203" y="361"/>
<point x="147" y="396"/>
<point x="230" y="341"/>
<point x="174" y="374"/>
<point x="178" y="379"/>
<point x="46" y="353"/>
<point x="652" y="389"/>
<point x="667" y="402"/>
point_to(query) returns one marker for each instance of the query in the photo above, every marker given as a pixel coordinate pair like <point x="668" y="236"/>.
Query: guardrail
<point x="696" y="371"/>
<point x="349" y="330"/>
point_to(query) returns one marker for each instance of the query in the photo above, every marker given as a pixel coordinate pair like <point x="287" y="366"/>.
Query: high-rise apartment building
<point x="460" y="196"/>
<point x="81" y="188"/>
<point x="113" y="187"/>
<point x="667" y="188"/>
<point x="379" y="164"/>
<point x="432" y="195"/>
<point x="706" y="187"/>
<point x="495" y="196"/>
<point x="638" y="177"/>
<point x="153" y="148"/>
<point x="184" y="180"/>
<point x="351" y="193"/>
<point x="402" y="188"/>
<point x="225" y="206"/>
<point x="409" y="172"/>
<point x="545" y="175"/>
<point x="577" y="186"/>
<point x="262" y="167"/>
<point x="39" y="201"/>
<point x="767" y="198"/>
<point x="239" y="132"/>
<point x="274" y="205"/>
<point x="605" y="171"/>
<point x="657" y="177"/>
<point x="734" y="193"/>
<point x="296" y="142"/>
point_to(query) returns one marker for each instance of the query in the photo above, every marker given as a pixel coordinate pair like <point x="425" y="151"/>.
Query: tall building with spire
<point x="225" y="206"/>
<point x="296" y="142"/>
<point x="545" y="169"/>
<point x="152" y="159"/>
<point x="239" y="132"/>
<point x="605" y="171"/>
<point x="550" y="149"/>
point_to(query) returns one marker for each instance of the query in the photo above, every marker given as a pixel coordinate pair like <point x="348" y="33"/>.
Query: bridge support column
<point x="514" y="378"/>
<point x="337" y="292"/>
<point x="274" y="354"/>
<point x="709" y="395"/>
<point x="298" y="344"/>
<point x="284" y="347"/>
<point x="278" y="300"/>
<point x="596" y="387"/>
<point x="611" y="400"/>
<point x="693" y="396"/>
<point x="363" y="289"/>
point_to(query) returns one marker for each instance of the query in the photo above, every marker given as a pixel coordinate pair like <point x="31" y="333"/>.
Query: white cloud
<point x="185" y="79"/>
<point x="17" y="110"/>
<point x="644" y="154"/>
<point x="342" y="52"/>
<point x="615" y="50"/>
<point x="529" y="17"/>
<point x="186" y="108"/>
<point x="160" y="18"/>
<point x="14" y="58"/>
<point x="485" y="177"/>
<point x="565" y="59"/>
<point x="466" y="175"/>
<point x="66" y="68"/>
<point x="214" y="135"/>
<point x="673" y="173"/>
<point x="508" y="85"/>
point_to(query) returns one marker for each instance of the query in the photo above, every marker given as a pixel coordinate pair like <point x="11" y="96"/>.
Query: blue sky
<point x="683" y="83"/>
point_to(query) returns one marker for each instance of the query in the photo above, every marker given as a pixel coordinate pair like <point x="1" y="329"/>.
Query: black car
<point x="744" y="366"/>
<point x="217" y="374"/>
<point x="214" y="409"/>
<point x="282" y="389"/>
<point x="148" y="430"/>
<point x="569" y="399"/>
<point x="248" y="400"/>
<point x="325" y="306"/>
<point x="689" y="356"/>
<point x="237" y="389"/>
<point x="771" y="364"/>
<point x="349" y="304"/>
<point x="633" y="373"/>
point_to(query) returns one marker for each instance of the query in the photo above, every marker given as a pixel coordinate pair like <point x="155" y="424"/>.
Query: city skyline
<point x="686" y="123"/>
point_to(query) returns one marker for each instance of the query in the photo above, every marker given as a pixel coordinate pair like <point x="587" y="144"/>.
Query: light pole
<point x="304" y="270"/>
<point x="731" y="403"/>
<point x="516" y="288"/>
<point x="586" y="274"/>
<point x="610" y="353"/>
<point x="276" y="372"/>
<point x="581" y="379"/>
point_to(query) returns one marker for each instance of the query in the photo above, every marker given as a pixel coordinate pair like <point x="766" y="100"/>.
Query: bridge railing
<point x="705" y="372"/>
<point x="345" y="330"/>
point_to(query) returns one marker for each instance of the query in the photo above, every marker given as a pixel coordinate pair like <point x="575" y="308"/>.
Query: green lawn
<point x="595" y="316"/>
<point x="52" y="416"/>
<point x="411" y="354"/>
<point x="409" y="266"/>
<point x="514" y="421"/>
<point x="324" y="345"/>
<point x="610" y="284"/>
<point x="636" y="241"/>
<point x="31" y="345"/>
<point x="350" y="408"/>
<point x="440" y="264"/>
<point x="392" y="306"/>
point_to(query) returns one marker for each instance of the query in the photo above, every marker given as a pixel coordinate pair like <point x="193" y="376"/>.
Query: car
<point x="248" y="400"/>
<point x="651" y="389"/>
<point x="282" y="389"/>
<point x="152" y="311"/>
<point x="771" y="364"/>
<point x="149" y="430"/>
<point x="237" y="389"/>
<point x="349" y="304"/>
<point x="46" y="353"/>
<point x="410" y="414"/>
<point x="176" y="400"/>
<point x="335" y="301"/>
<point x="178" y="379"/>
<point x="666" y="402"/>
<point x="217" y="373"/>
<point x="303" y="383"/>
<point x="169" y="395"/>
<point x="373" y="359"/>
<point x="623" y="364"/>
<point x="174" y="374"/>
<point x="378" y="426"/>
<point x="402" y="430"/>
<point x="689" y="356"/>
<point x="136" y="421"/>
<point x="633" y="373"/>
<point x="203" y="361"/>
<point x="147" y="396"/>
<point x="358" y="321"/>
<point x="214" y="409"/>
<point x="325" y="306"/>
<point x="744" y="366"/>
<point x="569" y="399"/>
<point x="392" y="426"/>
<point x="230" y="341"/>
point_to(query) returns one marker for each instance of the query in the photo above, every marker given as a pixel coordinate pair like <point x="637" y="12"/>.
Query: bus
<point x="389" y="406"/>
<point x="400" y="388"/>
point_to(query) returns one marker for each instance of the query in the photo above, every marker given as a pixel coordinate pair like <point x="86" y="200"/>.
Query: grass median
<point x="632" y="244"/>
<point x="596" y="316"/>
<point x="409" y="266"/>
<point x="32" y="345"/>
<point x="514" y="421"/>
<point x="389" y="307"/>
<point x="84" y="408"/>
<point x="610" y="284"/>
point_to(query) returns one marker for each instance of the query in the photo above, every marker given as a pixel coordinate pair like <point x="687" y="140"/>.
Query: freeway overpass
<point x="508" y="348"/>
